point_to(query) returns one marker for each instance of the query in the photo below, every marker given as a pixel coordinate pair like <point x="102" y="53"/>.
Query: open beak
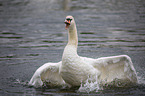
<point x="67" y="22"/>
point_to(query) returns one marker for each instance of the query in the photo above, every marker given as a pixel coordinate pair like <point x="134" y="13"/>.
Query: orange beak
<point x="67" y="22"/>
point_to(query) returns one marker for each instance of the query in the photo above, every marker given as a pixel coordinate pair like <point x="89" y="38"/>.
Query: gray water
<point x="32" y="33"/>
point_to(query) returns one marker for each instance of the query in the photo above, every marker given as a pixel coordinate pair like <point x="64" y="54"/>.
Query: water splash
<point x="90" y="86"/>
<point x="141" y="79"/>
<point x="18" y="81"/>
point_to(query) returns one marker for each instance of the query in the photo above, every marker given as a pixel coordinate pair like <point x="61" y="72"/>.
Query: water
<point x="32" y="33"/>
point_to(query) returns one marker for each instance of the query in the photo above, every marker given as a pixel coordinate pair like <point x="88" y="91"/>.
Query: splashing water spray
<point x="90" y="85"/>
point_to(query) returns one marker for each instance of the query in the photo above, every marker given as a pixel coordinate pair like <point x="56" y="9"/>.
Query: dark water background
<point x="32" y="33"/>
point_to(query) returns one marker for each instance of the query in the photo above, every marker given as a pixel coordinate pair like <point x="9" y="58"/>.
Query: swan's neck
<point x="72" y="36"/>
<point x="71" y="47"/>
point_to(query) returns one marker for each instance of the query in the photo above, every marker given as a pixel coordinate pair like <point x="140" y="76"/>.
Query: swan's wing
<point x="48" y="73"/>
<point x="114" y="67"/>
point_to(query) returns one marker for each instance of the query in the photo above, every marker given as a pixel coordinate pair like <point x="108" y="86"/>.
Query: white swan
<point x="75" y="70"/>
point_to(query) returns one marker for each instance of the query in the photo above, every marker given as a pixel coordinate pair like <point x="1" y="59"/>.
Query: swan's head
<point x="69" y="21"/>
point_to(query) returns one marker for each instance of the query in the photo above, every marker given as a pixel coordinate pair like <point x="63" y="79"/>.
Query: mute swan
<point x="74" y="70"/>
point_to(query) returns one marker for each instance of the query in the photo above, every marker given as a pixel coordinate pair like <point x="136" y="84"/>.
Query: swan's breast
<point x="75" y="71"/>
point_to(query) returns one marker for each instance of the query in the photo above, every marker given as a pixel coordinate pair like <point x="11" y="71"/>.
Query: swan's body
<point x="74" y="70"/>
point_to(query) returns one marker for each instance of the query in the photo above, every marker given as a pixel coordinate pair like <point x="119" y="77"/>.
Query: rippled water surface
<point x="32" y="33"/>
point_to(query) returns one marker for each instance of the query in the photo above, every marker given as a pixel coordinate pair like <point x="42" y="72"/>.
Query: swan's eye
<point x="68" y="19"/>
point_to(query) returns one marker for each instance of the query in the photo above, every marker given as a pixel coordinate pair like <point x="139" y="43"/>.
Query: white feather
<point x="49" y="73"/>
